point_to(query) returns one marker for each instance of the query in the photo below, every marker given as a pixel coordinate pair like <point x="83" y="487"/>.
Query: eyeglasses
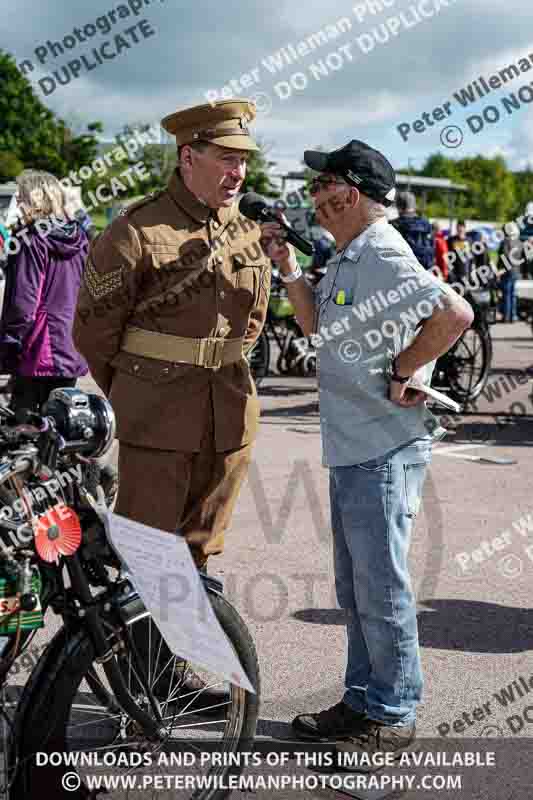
<point x="324" y="183"/>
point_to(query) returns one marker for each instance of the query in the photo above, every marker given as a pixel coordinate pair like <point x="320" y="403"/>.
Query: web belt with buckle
<point x="211" y="353"/>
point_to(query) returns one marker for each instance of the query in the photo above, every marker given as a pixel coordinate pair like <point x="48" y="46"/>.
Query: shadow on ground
<point x="472" y="626"/>
<point x="321" y="616"/>
<point x="278" y="390"/>
<point x="508" y="430"/>
<point x="291" y="411"/>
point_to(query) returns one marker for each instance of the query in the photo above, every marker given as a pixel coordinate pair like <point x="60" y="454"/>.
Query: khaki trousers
<point x="192" y="493"/>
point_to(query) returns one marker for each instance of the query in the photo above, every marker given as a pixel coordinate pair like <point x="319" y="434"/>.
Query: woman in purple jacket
<point x="43" y="276"/>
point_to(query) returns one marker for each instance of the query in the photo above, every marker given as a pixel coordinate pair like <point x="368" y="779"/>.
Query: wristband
<point x="394" y="375"/>
<point x="292" y="276"/>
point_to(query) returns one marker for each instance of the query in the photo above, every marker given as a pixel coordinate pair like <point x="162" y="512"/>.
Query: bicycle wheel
<point x="259" y="358"/>
<point x="463" y="371"/>
<point x="73" y="711"/>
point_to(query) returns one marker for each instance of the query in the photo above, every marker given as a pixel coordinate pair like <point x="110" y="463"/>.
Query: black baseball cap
<point x="360" y="166"/>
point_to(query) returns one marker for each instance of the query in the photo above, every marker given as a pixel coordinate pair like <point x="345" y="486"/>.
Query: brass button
<point x="135" y="367"/>
<point x="222" y="293"/>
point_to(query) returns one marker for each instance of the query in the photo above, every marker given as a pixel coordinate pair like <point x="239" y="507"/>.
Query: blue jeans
<point x="373" y="507"/>
<point x="508" y="284"/>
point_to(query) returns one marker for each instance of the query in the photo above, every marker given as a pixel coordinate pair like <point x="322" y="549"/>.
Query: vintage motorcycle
<point x="106" y="681"/>
<point x="296" y="353"/>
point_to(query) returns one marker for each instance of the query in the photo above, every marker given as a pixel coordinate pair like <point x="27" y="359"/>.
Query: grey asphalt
<point x="475" y="618"/>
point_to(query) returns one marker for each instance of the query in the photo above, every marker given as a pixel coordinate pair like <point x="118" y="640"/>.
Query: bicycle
<point x="107" y="681"/>
<point x="463" y="371"/>
<point x="297" y="355"/>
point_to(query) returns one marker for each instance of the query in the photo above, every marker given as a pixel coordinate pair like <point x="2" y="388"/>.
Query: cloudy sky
<point x="375" y="65"/>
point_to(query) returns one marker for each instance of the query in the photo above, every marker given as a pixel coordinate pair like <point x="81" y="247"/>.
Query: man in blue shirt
<point x="417" y="231"/>
<point x="378" y="318"/>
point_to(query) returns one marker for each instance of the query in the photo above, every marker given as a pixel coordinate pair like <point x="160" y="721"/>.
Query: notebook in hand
<point x="439" y="397"/>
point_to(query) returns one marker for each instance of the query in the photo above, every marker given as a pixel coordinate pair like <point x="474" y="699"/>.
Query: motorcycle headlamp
<point x="82" y="418"/>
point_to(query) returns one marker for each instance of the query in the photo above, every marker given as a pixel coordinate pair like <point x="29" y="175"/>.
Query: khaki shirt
<point x="172" y="265"/>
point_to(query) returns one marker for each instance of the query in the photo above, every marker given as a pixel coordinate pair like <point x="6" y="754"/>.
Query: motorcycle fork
<point x="89" y="614"/>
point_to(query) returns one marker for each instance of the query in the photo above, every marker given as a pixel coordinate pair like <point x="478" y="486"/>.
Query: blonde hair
<point x="40" y="195"/>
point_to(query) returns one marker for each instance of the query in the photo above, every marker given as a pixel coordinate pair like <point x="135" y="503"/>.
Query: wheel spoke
<point x="90" y="722"/>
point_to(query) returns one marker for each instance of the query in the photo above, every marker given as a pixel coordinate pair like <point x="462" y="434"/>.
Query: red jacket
<point x="441" y="249"/>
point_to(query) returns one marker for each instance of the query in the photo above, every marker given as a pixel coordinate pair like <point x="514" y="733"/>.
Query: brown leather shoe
<point x="337" y="722"/>
<point x="377" y="737"/>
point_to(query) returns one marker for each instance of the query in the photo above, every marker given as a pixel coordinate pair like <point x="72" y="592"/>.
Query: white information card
<point x="164" y="573"/>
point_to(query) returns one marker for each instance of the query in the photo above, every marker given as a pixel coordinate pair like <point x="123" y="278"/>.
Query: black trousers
<point x="32" y="393"/>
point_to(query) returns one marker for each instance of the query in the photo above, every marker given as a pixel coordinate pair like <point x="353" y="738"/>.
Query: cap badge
<point x="353" y="176"/>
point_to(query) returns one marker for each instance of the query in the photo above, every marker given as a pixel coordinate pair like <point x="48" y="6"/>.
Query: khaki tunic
<point x="171" y="265"/>
<point x="141" y="258"/>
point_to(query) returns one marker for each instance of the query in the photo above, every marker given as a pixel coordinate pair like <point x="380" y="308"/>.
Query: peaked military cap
<point x="224" y="122"/>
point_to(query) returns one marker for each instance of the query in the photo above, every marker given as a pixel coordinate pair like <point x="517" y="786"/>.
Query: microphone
<point x="254" y="207"/>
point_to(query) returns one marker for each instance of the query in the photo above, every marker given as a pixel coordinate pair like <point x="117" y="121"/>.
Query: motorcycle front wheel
<point x="70" y="710"/>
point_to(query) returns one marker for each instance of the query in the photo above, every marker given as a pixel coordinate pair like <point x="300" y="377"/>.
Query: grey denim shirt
<point x="368" y="306"/>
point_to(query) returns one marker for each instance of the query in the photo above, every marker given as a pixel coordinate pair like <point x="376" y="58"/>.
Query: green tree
<point x="159" y="158"/>
<point x="523" y="182"/>
<point x="32" y="133"/>
<point x="258" y="173"/>
<point x="491" y="186"/>
<point x="120" y="156"/>
<point x="10" y="167"/>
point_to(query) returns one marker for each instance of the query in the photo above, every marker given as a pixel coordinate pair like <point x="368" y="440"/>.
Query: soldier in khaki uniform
<point x="175" y="294"/>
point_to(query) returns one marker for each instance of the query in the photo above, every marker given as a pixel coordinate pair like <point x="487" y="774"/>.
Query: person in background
<point x="527" y="267"/>
<point x="441" y="250"/>
<point x="526" y="237"/>
<point x="416" y="230"/>
<point x="42" y="282"/>
<point x="460" y="245"/>
<point x="4" y="238"/>
<point x="479" y="248"/>
<point x="510" y="260"/>
<point x="324" y="249"/>
<point x="75" y="210"/>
